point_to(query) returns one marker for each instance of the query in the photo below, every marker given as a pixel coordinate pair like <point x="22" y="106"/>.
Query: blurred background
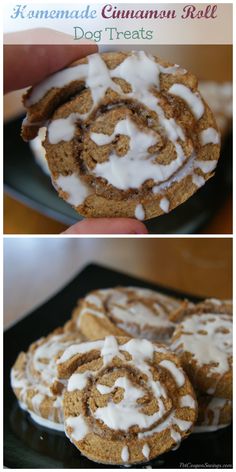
<point x="36" y="268"/>
<point x="31" y="204"/>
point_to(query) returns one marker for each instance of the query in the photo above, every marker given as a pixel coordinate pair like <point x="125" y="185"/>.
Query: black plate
<point x="25" y="181"/>
<point x="27" y="445"/>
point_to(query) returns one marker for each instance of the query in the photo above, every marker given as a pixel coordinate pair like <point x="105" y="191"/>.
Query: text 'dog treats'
<point x="128" y="135"/>
<point x="34" y="378"/>
<point x="127" y="400"/>
<point x="123" y="311"/>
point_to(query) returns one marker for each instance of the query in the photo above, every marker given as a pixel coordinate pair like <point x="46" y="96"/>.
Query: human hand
<point x="26" y="65"/>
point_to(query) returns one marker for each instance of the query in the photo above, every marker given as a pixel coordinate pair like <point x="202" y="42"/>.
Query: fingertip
<point x="107" y="226"/>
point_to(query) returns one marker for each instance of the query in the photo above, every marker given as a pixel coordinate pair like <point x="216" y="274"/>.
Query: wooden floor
<point x="19" y="219"/>
<point x="35" y="268"/>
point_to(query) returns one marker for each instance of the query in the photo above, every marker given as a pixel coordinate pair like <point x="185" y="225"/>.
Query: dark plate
<point x="27" y="445"/>
<point x="25" y="181"/>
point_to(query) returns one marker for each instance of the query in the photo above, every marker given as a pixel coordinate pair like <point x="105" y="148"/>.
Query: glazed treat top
<point x="210" y="305"/>
<point x="34" y="375"/>
<point x="207" y="337"/>
<point x="124" y="396"/>
<point x="135" y="311"/>
<point x="142" y="122"/>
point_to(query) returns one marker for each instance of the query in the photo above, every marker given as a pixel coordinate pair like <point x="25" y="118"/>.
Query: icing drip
<point x="78" y="381"/>
<point x="193" y="99"/>
<point x="187" y="401"/>
<point x="80" y="429"/>
<point x="139" y="212"/>
<point x="146" y="451"/>
<point x="198" y="180"/>
<point x="205" y="166"/>
<point x="62" y="129"/>
<point x="46" y="423"/>
<point x="128" y="412"/>
<point x="75" y="349"/>
<point x="209" y="136"/>
<point x="127" y="312"/>
<point x="125" y="414"/>
<point x="164" y="204"/>
<point x="208" y="428"/>
<point x="76" y="189"/>
<point x="125" y="454"/>
<point x="93" y="312"/>
<point x="175" y="372"/>
<point x="40" y="373"/>
<point x="209" y="340"/>
<point x="176" y="436"/>
<point x="137" y="165"/>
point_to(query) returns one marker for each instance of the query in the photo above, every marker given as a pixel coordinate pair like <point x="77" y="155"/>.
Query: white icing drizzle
<point x="80" y="428"/>
<point x="208" y="428"/>
<point x="216" y="405"/>
<point x="142" y="72"/>
<point x="137" y="166"/>
<point x="125" y="454"/>
<point x="128" y="315"/>
<point x="75" y="349"/>
<point x="139" y="212"/>
<point x="175" y="371"/>
<point x="146" y="451"/>
<point x="39" y="374"/>
<point x="205" y="166"/>
<point x="127" y="412"/>
<point x="208" y="348"/>
<point x="198" y="180"/>
<point x="46" y="422"/>
<point x="94" y="300"/>
<point x="209" y="136"/>
<point x="91" y="311"/>
<point x="76" y="189"/>
<point x="124" y="414"/>
<point x="78" y="381"/>
<point x="176" y="436"/>
<point x="62" y="129"/>
<point x="164" y="204"/>
<point x="193" y="99"/>
<point x="187" y="401"/>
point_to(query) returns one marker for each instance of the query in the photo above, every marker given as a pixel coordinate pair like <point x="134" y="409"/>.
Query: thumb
<point x="108" y="226"/>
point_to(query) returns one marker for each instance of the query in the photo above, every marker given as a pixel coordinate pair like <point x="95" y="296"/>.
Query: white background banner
<point x="121" y="23"/>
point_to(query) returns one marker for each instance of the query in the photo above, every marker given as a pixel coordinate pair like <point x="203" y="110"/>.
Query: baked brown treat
<point x="34" y="378"/>
<point x="127" y="400"/>
<point x="213" y="411"/>
<point x="203" y="343"/>
<point x="122" y="311"/>
<point x="128" y="134"/>
<point x="210" y="305"/>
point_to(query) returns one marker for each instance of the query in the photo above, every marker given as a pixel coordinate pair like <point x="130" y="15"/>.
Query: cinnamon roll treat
<point x="213" y="413"/>
<point x="123" y="311"/>
<point x="128" y="134"/>
<point x="210" y="305"/>
<point x="203" y="343"/>
<point x="127" y="400"/>
<point x="34" y="378"/>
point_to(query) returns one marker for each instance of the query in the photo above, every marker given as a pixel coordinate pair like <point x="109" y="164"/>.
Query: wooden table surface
<point x="19" y="219"/>
<point x="35" y="268"/>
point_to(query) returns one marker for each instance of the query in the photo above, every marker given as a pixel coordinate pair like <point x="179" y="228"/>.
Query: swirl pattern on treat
<point x="123" y="402"/>
<point x="204" y="344"/>
<point x="213" y="411"/>
<point x="137" y="126"/>
<point x="34" y="378"/>
<point x="134" y="311"/>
